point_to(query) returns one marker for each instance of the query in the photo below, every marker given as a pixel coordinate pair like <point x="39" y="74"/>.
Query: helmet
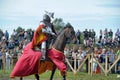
<point x="46" y="18"/>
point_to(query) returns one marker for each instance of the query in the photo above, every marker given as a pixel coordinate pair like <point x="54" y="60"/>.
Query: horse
<point x="58" y="45"/>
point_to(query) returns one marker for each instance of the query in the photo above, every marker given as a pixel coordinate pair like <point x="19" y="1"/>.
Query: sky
<point x="82" y="14"/>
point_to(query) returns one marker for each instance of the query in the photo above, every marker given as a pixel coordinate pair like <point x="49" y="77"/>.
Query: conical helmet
<point x="46" y="18"/>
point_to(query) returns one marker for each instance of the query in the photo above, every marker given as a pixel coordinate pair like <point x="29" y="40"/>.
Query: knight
<point x="43" y="35"/>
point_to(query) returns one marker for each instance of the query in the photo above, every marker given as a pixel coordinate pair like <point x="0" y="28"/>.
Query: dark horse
<point x="59" y="44"/>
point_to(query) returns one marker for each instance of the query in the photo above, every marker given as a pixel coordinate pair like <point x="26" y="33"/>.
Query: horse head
<point x="69" y="31"/>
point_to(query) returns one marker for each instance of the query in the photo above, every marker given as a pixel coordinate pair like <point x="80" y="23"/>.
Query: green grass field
<point x="70" y="76"/>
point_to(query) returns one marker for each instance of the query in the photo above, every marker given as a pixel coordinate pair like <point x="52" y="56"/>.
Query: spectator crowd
<point x="105" y="44"/>
<point x="11" y="46"/>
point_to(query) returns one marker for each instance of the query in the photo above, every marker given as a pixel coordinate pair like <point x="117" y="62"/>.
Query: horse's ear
<point x="68" y="25"/>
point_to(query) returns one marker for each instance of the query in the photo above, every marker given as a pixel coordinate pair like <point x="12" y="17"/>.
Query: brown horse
<point x="58" y="45"/>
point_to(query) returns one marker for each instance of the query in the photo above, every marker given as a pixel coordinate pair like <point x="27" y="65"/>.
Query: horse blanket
<point x="29" y="62"/>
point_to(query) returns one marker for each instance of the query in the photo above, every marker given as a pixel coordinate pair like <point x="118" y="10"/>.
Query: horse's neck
<point x="60" y="42"/>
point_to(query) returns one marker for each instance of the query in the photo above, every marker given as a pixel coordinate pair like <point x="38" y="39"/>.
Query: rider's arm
<point x="44" y="30"/>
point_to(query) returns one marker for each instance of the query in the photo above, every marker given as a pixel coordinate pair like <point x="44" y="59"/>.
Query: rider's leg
<point x="43" y="49"/>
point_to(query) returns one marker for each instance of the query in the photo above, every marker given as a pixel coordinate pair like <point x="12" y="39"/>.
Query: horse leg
<point x="37" y="76"/>
<point x="64" y="77"/>
<point x="21" y="78"/>
<point x="53" y="72"/>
